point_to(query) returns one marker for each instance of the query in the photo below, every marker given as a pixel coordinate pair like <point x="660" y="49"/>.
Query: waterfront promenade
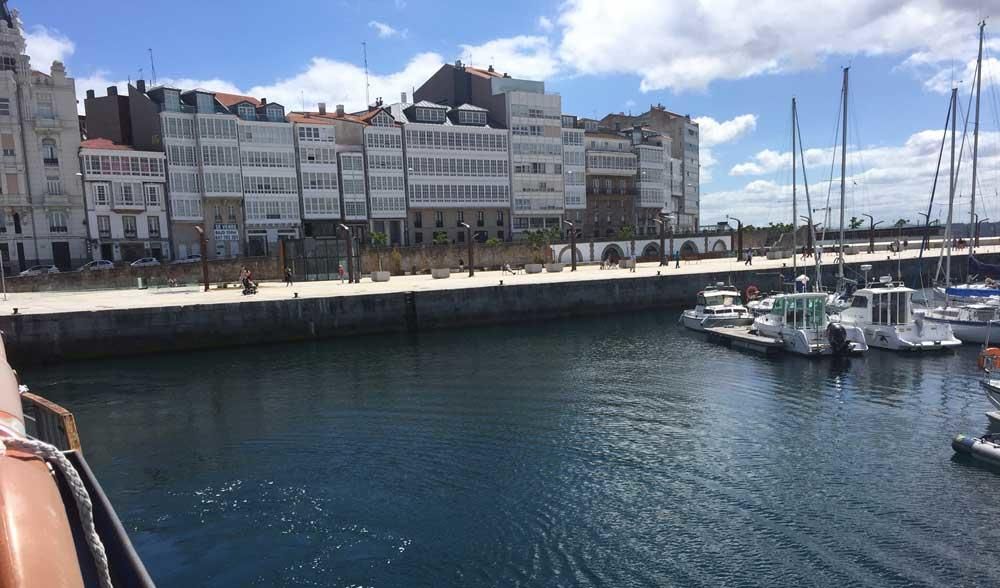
<point x="98" y="300"/>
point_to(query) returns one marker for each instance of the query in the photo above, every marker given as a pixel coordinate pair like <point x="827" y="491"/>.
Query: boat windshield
<point x="891" y="308"/>
<point x="722" y="299"/>
<point x="801" y="312"/>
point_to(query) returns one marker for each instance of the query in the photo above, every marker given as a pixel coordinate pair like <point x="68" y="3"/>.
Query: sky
<point x="733" y="66"/>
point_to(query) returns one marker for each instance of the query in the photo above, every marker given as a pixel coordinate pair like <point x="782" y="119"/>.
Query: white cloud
<point x="385" y="31"/>
<point x="523" y="56"/>
<point x="888" y="182"/>
<point x="697" y="44"/>
<point x="44" y="46"/>
<point x="545" y="23"/>
<point x="712" y="133"/>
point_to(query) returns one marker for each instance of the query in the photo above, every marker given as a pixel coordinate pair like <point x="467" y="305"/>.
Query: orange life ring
<point x="751" y="293"/>
<point x="993" y="355"/>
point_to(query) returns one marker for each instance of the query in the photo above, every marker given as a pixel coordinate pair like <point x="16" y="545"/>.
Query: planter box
<point x="440" y="273"/>
<point x="380" y="276"/>
<point x="554" y="267"/>
<point x="532" y="268"/>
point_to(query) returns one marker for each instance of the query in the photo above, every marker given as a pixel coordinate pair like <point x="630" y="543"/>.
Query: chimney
<point x="263" y="101"/>
<point x="340" y="110"/>
<point x="112" y="90"/>
<point x="458" y="63"/>
<point x="322" y="107"/>
<point x="90" y="94"/>
<point x="490" y="68"/>
<point x="141" y="86"/>
<point x="402" y="97"/>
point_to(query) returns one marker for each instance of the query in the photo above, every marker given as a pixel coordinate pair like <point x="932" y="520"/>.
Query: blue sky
<point x="734" y="69"/>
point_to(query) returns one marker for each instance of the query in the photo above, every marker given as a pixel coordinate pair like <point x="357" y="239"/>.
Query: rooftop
<point x="101" y="143"/>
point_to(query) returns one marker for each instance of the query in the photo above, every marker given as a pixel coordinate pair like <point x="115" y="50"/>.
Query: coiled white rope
<point x="84" y="506"/>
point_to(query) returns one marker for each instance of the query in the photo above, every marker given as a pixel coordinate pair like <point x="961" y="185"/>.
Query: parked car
<point x="97" y="265"/>
<point x="38" y="270"/>
<point x="145" y="262"/>
<point x="193" y="258"/>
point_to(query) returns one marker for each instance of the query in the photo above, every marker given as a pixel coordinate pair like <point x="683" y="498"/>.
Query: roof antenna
<point x="364" y="51"/>
<point x="152" y="67"/>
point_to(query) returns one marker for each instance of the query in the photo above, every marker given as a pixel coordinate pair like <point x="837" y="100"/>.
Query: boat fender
<point x="837" y="335"/>
<point x="963" y="444"/>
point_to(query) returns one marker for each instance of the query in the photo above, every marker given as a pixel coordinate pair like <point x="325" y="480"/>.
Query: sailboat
<point x="840" y="299"/>
<point x="976" y="322"/>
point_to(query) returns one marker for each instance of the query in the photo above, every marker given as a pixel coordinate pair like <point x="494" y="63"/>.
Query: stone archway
<point x="719" y="245"/>
<point x="651" y="250"/>
<point x="688" y="249"/>
<point x="612" y="252"/>
<point x="566" y="256"/>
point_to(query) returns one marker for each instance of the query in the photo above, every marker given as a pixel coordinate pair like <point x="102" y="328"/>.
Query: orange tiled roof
<point x="101" y="143"/>
<point x="328" y="118"/>
<point x="483" y="73"/>
<point x="228" y="100"/>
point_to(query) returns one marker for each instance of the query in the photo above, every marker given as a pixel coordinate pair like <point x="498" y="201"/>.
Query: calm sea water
<point x="616" y="451"/>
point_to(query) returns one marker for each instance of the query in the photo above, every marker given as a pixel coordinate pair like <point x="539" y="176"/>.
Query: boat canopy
<point x="802" y="310"/>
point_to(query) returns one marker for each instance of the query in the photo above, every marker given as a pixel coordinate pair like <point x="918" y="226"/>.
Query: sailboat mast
<point x="975" y="142"/>
<point x="795" y="210"/>
<point x="843" y="179"/>
<point x="951" y="193"/>
<point x="805" y="185"/>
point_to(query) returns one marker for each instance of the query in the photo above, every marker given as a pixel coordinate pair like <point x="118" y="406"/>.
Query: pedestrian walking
<point x="340" y="272"/>
<point x="749" y="256"/>
<point x="632" y="269"/>
<point x="677" y="259"/>
<point x="288" y="276"/>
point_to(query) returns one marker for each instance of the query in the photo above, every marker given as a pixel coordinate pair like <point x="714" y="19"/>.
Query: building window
<point x="104" y="227"/>
<point x="480" y="219"/>
<point x="499" y="218"/>
<point x="152" y="195"/>
<point x="8" y="63"/>
<point x="460" y="219"/>
<point x="246" y="112"/>
<point x="101" y="194"/>
<point x="418" y="237"/>
<point x="438" y="219"/>
<point x="232" y="212"/>
<point x="4" y="106"/>
<point x="50" y="154"/>
<point x="45" y="108"/>
<point x="7" y="143"/>
<point x="129" y="226"/>
<point x="154" y="226"/>
<point x="500" y="235"/>
<point x="53" y="186"/>
<point x="418" y="220"/>
<point x="57" y="222"/>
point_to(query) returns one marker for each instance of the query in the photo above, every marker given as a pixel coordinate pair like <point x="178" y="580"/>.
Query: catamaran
<point x="884" y="311"/>
<point x="717" y="306"/>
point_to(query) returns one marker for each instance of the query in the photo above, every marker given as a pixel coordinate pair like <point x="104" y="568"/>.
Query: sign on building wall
<point x="227" y="232"/>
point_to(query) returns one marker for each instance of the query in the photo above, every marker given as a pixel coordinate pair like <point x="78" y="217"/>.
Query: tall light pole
<point x="468" y="237"/>
<point x="979" y="224"/>
<point x="350" y="252"/>
<point x="871" y="232"/>
<point x="572" y="243"/>
<point x="739" y="237"/>
<point x="925" y="241"/>
<point x="204" y="254"/>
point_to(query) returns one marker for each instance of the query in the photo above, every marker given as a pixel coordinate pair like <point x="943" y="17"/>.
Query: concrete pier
<point x="56" y="326"/>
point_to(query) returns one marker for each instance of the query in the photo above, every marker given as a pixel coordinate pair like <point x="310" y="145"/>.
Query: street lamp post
<point x="739" y="237"/>
<point x="204" y="254"/>
<point x="810" y="245"/>
<point x="572" y="243"/>
<point x="468" y="237"/>
<point x="350" y="252"/>
<point x="871" y="232"/>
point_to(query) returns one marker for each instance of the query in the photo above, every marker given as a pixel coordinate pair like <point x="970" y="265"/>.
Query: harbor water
<point x="612" y="451"/>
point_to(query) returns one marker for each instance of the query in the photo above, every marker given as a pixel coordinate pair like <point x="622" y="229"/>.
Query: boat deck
<point x="742" y="338"/>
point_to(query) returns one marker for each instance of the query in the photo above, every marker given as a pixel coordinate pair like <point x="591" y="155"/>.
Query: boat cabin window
<point x="859" y="302"/>
<point x="719" y="299"/>
<point x="985" y="314"/>
<point x="802" y="313"/>
<point x="891" y="308"/>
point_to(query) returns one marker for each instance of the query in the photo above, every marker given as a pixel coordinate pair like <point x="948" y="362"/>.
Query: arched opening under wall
<point x="719" y="245"/>
<point x="613" y="253"/>
<point x="651" y="250"/>
<point x="565" y="255"/>
<point x="688" y="249"/>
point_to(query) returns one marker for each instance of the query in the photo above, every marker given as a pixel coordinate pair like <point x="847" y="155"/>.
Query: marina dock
<point x="742" y="338"/>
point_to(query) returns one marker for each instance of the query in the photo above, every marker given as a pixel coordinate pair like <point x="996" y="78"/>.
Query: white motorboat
<point x="717" y="306"/>
<point x="800" y="322"/>
<point x="884" y="311"/>
<point x="972" y="323"/>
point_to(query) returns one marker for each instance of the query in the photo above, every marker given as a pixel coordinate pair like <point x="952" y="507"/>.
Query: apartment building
<point x="684" y="141"/>
<point x="458" y="170"/>
<point x="269" y="172"/>
<point x="385" y="176"/>
<point x="125" y="195"/>
<point x="42" y="219"/>
<point x="611" y="184"/>
<point x="574" y="171"/>
<point x="316" y="152"/>
<point x="533" y="119"/>
<point x="653" y="179"/>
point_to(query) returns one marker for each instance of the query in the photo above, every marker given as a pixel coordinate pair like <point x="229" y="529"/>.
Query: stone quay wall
<point x="43" y="338"/>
